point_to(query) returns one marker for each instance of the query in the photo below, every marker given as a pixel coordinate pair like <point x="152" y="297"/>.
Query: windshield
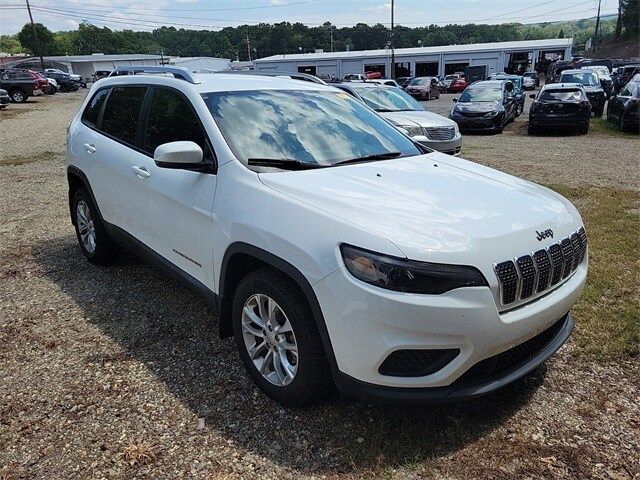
<point x="517" y="81"/>
<point x="388" y="100"/>
<point x="604" y="71"/>
<point x="313" y="127"/>
<point x="586" y="78"/>
<point x="561" y="95"/>
<point x="420" y="81"/>
<point x="530" y="75"/>
<point x="481" y="94"/>
<point x="450" y="77"/>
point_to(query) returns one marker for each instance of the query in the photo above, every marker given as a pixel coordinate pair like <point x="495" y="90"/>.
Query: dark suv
<point x="560" y="105"/>
<point x="20" y="84"/>
<point x="66" y="83"/>
<point x="593" y="89"/>
<point x="624" y="107"/>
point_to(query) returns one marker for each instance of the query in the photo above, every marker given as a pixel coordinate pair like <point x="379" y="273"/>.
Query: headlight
<point x="412" y="130"/>
<point x="491" y="114"/>
<point x="456" y="128"/>
<point x="403" y="275"/>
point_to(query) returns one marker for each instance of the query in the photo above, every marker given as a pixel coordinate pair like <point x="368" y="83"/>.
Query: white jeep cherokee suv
<point x="336" y="249"/>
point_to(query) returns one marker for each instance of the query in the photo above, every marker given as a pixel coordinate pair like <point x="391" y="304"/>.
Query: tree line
<point x="264" y="39"/>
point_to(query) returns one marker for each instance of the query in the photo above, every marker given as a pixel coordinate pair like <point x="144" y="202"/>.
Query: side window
<point x="92" y="111"/>
<point x="625" y="92"/>
<point x="171" y="119"/>
<point x="121" y="113"/>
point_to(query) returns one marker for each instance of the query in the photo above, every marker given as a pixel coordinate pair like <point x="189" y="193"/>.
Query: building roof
<point x="475" y="47"/>
<point x="98" y="57"/>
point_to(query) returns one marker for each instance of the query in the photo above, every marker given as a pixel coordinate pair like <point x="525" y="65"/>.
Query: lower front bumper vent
<point x="416" y="363"/>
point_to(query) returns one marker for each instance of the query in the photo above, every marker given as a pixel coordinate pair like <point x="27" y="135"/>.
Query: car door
<point x="112" y="148"/>
<point x="179" y="224"/>
<point x="618" y="102"/>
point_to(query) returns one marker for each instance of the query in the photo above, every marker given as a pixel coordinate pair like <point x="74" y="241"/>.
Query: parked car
<point x="20" y="84"/>
<point x="518" y="91"/>
<point x="335" y="249"/>
<point x="399" y="108"/>
<point x="424" y="88"/>
<point x="624" y="75"/>
<point x="385" y="81"/>
<point x="448" y="79"/>
<point x="4" y="99"/>
<point x="53" y="86"/>
<point x="591" y="84"/>
<point x="458" y="85"/>
<point x="43" y="83"/>
<point x="486" y="106"/>
<point x="556" y="68"/>
<point x="74" y="77"/>
<point x="603" y="75"/>
<point x="65" y="81"/>
<point x="404" y="81"/>
<point x="530" y="80"/>
<point x="99" y="74"/>
<point x="354" y="76"/>
<point x="560" y="105"/>
<point x="624" y="107"/>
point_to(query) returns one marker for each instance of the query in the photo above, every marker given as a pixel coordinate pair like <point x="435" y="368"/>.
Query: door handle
<point x="89" y="147"/>
<point x="140" y="171"/>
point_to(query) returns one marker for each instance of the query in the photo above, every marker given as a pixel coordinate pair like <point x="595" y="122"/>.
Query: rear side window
<point x="122" y="112"/>
<point x="171" y="119"/>
<point x="91" y="113"/>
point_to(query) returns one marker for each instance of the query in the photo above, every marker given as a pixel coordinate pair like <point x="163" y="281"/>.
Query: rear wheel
<point x="92" y="235"/>
<point x="278" y="340"/>
<point x="18" y="96"/>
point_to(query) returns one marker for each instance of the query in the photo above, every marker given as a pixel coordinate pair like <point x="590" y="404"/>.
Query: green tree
<point x="27" y="38"/>
<point x="10" y="44"/>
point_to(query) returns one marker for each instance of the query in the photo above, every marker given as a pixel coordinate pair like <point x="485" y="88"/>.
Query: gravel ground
<point x="117" y="372"/>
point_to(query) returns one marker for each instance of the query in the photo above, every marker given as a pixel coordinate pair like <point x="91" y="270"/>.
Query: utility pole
<point x="248" y="47"/>
<point x="393" y="56"/>
<point x="595" y="35"/>
<point x="331" y="30"/>
<point x="35" y="34"/>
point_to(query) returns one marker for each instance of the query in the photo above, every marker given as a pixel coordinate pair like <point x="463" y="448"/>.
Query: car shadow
<point x="159" y="322"/>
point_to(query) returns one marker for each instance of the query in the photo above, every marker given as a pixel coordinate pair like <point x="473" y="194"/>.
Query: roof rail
<point x="294" y="75"/>
<point x="178" y="72"/>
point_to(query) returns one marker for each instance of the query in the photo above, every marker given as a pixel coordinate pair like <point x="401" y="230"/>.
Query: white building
<point x="201" y="64"/>
<point x="424" y="61"/>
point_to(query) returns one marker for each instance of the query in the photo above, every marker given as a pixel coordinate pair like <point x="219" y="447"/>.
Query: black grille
<point x="555" y="252"/>
<point x="541" y="259"/>
<point x="508" y="278"/>
<point x="545" y="268"/>
<point x="528" y="274"/>
<point x="416" y="363"/>
<point x="567" y="254"/>
<point x="513" y="358"/>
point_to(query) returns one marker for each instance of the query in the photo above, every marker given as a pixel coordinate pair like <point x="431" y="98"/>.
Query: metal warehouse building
<point x="425" y="61"/>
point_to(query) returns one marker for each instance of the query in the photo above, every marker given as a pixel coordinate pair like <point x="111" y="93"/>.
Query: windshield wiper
<point x="284" y="163"/>
<point x="371" y="158"/>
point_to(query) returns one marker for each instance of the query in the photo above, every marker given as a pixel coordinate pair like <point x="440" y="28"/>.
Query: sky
<point x="215" y="14"/>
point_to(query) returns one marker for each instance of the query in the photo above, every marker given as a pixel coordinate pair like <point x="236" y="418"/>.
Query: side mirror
<point x="533" y="95"/>
<point x="184" y="155"/>
<point x="454" y="99"/>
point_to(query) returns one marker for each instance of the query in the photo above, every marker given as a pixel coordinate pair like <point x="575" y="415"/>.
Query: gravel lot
<point x="117" y="372"/>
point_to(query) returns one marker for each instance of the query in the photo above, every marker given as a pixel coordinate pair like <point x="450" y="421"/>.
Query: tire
<point x="99" y="249"/>
<point x="583" y="129"/>
<point x="18" y="96"/>
<point x="309" y="377"/>
<point x="598" y="113"/>
<point x="532" y="130"/>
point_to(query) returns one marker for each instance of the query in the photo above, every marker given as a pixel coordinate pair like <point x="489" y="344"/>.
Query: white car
<point x="401" y="109"/>
<point x="336" y="249"/>
<point x="529" y="80"/>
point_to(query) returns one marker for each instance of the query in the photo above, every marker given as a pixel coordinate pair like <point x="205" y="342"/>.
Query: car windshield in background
<point x="586" y="78"/>
<point x="560" y="95"/>
<point x="600" y="70"/>
<point x="481" y="94"/>
<point x="318" y="128"/>
<point x="530" y="75"/>
<point x="420" y="81"/>
<point x="388" y="99"/>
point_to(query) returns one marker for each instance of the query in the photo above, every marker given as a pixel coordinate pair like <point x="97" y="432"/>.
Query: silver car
<point x="399" y="108"/>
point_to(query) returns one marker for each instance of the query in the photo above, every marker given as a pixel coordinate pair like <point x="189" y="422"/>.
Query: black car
<point x="557" y="67"/>
<point x="20" y="84"/>
<point x="591" y="83"/>
<point x="624" y="107"/>
<point x="65" y="82"/>
<point x="624" y="75"/>
<point x="485" y="106"/>
<point x="4" y="99"/>
<point x="560" y="105"/>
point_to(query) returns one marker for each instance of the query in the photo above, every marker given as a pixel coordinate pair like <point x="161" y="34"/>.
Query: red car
<point x="41" y="82"/>
<point x="458" y="85"/>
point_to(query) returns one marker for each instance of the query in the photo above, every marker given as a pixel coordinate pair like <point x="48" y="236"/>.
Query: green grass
<point x="601" y="125"/>
<point x="608" y="312"/>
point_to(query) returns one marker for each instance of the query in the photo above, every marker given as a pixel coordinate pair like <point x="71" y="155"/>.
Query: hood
<point x="593" y="89"/>
<point x="422" y="118"/>
<point x="435" y="207"/>
<point x="477" y="107"/>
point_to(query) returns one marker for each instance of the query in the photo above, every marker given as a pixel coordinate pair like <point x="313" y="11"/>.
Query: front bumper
<point x="558" y="120"/>
<point x="366" y="324"/>
<point x="5" y="100"/>
<point x="477" y="123"/>
<point x="451" y="147"/>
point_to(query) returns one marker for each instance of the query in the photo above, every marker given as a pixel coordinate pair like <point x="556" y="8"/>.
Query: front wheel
<point x="18" y="96"/>
<point x="278" y="339"/>
<point x="93" y="239"/>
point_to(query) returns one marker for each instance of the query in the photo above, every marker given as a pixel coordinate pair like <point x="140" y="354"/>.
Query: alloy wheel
<point x="17" y="97"/>
<point x="86" y="227"/>
<point x="269" y="339"/>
